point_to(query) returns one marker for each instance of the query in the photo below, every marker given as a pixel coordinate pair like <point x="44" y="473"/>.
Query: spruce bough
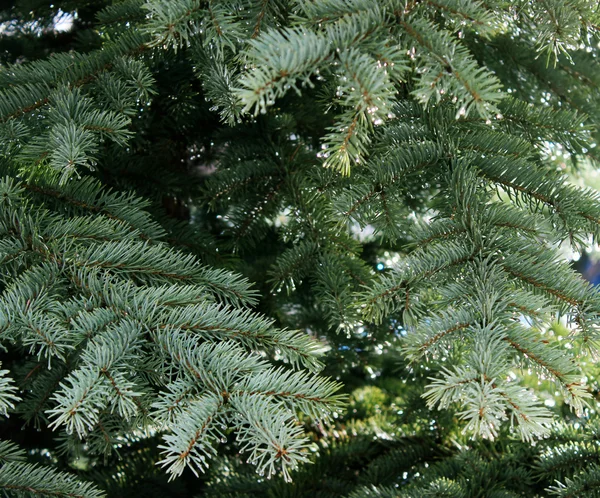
<point x="220" y="219"/>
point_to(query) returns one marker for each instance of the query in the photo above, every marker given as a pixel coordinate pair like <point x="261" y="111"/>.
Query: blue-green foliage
<point x="195" y="195"/>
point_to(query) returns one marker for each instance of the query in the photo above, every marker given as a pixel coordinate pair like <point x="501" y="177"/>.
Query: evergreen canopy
<point x="248" y="242"/>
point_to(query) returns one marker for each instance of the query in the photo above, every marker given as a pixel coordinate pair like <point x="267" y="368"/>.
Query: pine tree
<point x="321" y="241"/>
